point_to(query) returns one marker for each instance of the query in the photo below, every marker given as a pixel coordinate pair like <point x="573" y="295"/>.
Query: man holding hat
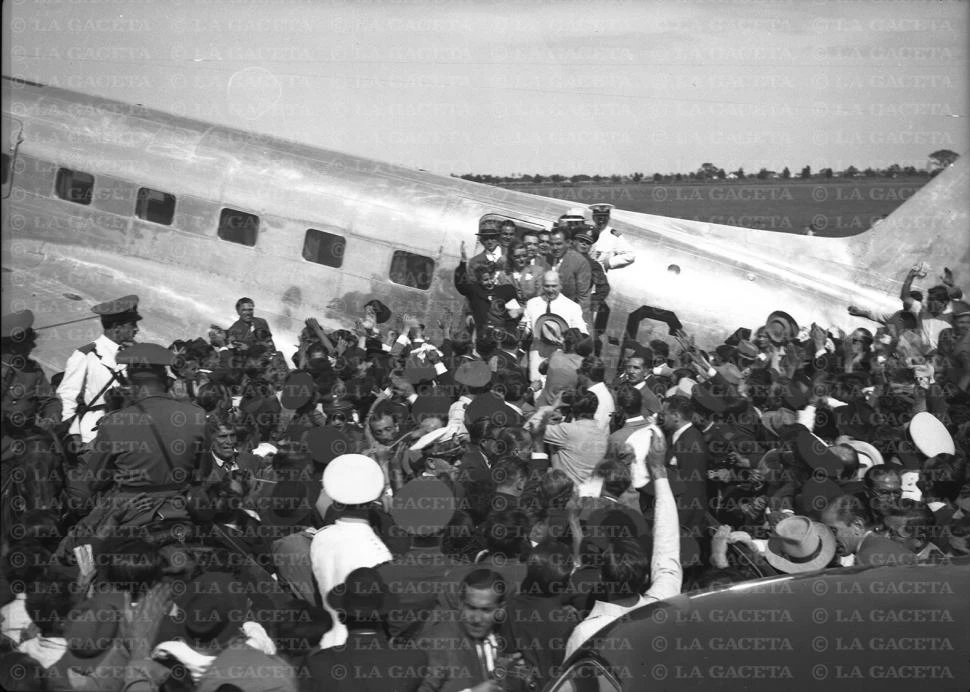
<point x="610" y="249"/>
<point x="556" y="309"/>
<point x="352" y="482"/>
<point x="93" y="368"/>
<point x="152" y="446"/>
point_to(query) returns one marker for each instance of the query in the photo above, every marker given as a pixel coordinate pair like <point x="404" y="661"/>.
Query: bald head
<point x="550" y="285"/>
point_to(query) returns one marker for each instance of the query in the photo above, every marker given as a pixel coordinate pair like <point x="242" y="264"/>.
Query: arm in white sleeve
<point x="666" y="573"/>
<point x="622" y="254"/>
<point x="72" y="384"/>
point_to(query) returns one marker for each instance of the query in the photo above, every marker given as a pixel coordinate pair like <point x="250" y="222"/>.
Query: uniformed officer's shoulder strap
<point x="89" y="348"/>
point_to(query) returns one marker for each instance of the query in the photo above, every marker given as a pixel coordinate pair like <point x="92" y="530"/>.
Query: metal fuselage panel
<point x="188" y="277"/>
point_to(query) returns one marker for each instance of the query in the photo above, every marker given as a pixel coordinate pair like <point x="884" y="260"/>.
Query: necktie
<point x="548" y="307"/>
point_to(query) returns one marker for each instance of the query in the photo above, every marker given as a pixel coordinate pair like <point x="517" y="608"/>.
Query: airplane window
<point x="5" y="170"/>
<point x="74" y="186"/>
<point x="586" y="676"/>
<point x="409" y="269"/>
<point x="238" y="227"/>
<point x="155" y="206"/>
<point x="324" y="248"/>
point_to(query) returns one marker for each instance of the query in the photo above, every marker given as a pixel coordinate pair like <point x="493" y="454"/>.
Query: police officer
<point x="610" y="249"/>
<point x="93" y="369"/>
<point x="29" y="403"/>
<point x="151" y="447"/>
<point x="29" y="466"/>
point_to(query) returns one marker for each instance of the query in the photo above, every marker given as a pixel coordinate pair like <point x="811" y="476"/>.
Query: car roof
<point x="900" y="625"/>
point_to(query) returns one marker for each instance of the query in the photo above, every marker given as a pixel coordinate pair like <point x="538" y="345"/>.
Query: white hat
<point x="353" y="479"/>
<point x="575" y="212"/>
<point x="930" y="435"/>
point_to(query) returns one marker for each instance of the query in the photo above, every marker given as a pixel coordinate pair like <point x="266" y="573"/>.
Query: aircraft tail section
<point x="932" y="226"/>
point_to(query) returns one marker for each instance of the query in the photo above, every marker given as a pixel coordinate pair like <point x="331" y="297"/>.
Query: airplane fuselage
<point x="104" y="199"/>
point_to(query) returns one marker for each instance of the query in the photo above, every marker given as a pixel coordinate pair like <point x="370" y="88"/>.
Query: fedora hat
<point x="291" y="503"/>
<point x="326" y="443"/>
<point x="298" y="389"/>
<point x="816" y="453"/>
<point x="800" y="545"/>
<point x="92" y="628"/>
<point x="16" y="325"/>
<point x="363" y="596"/>
<point x="430" y="406"/>
<point x="747" y="350"/>
<point x="212" y="610"/>
<point x="550" y="328"/>
<point x="474" y="373"/>
<point x="382" y="313"/>
<point x="869" y="456"/>
<point x="781" y="327"/>
<point x="930" y="435"/>
<point x="424" y="507"/>
<point x="491" y="406"/>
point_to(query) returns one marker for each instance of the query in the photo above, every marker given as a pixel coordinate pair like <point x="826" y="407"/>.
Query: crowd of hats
<point x="749" y="398"/>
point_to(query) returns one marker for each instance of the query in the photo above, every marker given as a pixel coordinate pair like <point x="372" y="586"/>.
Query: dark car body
<point x="882" y="628"/>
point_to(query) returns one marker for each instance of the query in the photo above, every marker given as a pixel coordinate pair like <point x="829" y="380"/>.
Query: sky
<point x="506" y="87"/>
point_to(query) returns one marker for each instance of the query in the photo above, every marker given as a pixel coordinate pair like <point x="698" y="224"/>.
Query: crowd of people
<point x="454" y="506"/>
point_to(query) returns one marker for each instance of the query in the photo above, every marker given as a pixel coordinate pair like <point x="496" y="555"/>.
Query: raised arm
<point x="666" y="573"/>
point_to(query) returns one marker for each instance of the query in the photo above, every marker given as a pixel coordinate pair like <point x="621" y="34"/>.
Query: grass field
<point x="832" y="207"/>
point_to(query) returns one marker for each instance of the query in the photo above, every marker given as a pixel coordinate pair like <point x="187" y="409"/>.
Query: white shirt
<point x="673" y="440"/>
<point x="85" y="371"/>
<point x="336" y="551"/>
<point x="495" y="255"/>
<point x="564" y="307"/>
<point x="640" y="442"/>
<point x="605" y="405"/>
<point x="612" y="250"/>
<point x="666" y="573"/>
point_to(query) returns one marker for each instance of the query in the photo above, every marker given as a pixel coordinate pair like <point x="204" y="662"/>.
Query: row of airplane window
<point x="235" y="226"/>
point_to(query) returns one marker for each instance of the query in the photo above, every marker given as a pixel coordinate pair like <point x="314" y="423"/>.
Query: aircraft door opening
<point x="11" y="137"/>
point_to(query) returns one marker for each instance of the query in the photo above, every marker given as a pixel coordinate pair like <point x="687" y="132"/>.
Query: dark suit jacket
<point x="366" y="662"/>
<point x="240" y="331"/>
<point x="691" y="471"/>
<point x="480" y="259"/>
<point x="453" y="662"/>
<point x="576" y="278"/>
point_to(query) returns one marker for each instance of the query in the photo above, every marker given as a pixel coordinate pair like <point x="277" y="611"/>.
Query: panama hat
<point x="781" y="327"/>
<point x="800" y="545"/>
